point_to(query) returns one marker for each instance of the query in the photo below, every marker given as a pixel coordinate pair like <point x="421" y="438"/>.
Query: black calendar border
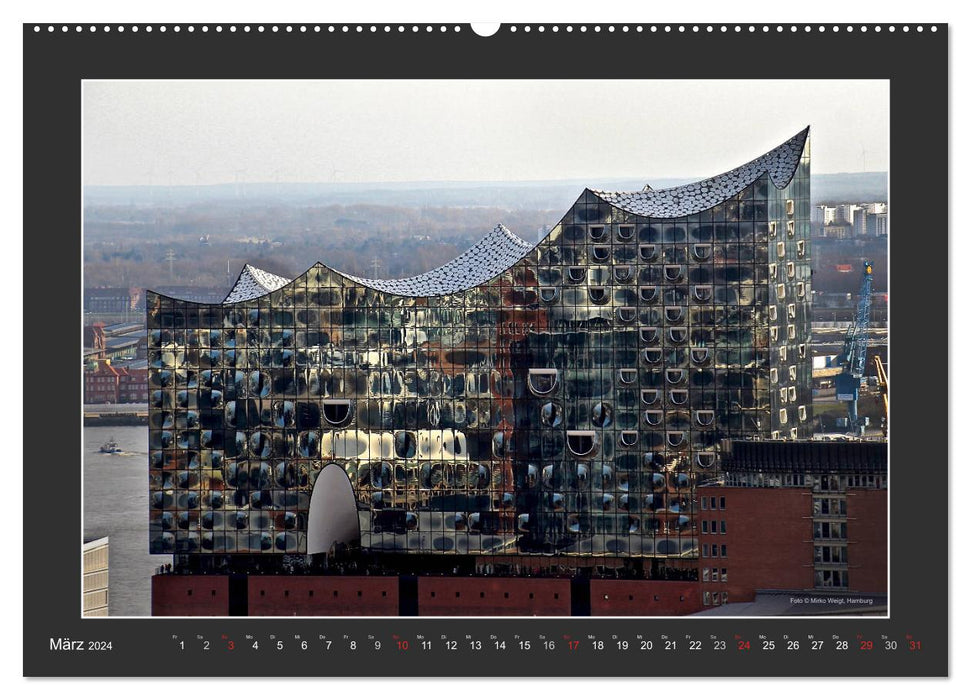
<point x="55" y="63"/>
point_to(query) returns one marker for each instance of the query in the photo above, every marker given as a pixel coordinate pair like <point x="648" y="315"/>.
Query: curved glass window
<point x="581" y="442"/>
<point x="652" y="355"/>
<point x="674" y="314"/>
<point x="647" y="252"/>
<point x="649" y="396"/>
<point x="676" y="376"/>
<point x="700" y="356"/>
<point x="260" y="444"/>
<point x="602" y="415"/>
<point x="405" y="444"/>
<point x="542" y="381"/>
<point x="551" y="415"/>
<point x="598" y="295"/>
<point x="547" y="475"/>
<point x="649" y="334"/>
<point x="647" y="295"/>
<point x="308" y="444"/>
<point x="259" y="384"/>
<point x="678" y="334"/>
<point x="336" y="411"/>
<point x="654" y="417"/>
<point x="701" y="251"/>
<point x="673" y="273"/>
<point x="499" y="444"/>
<point x="678" y="396"/>
<point x="532" y="475"/>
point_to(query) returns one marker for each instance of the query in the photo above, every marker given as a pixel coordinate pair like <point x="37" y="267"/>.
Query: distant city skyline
<point x="162" y="133"/>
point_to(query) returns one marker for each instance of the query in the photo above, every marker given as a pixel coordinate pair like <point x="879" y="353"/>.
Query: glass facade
<point x="568" y="405"/>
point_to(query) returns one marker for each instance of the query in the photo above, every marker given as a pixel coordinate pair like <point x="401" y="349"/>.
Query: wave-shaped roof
<point x="496" y="252"/>
<point x="780" y="163"/>
<point x="500" y="249"/>
<point x="253" y="283"/>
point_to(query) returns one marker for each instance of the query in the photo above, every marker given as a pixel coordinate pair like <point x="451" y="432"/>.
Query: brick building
<point x="106" y="383"/>
<point x="133" y="385"/>
<point x="101" y="383"/>
<point x="796" y="516"/>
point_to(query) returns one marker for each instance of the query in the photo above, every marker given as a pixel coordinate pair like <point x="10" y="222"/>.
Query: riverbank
<point x="115" y="414"/>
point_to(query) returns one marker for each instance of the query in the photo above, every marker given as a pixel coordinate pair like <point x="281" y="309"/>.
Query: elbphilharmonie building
<point x="563" y="398"/>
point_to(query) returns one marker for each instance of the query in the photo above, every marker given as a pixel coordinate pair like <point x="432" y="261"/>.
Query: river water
<point x="116" y="506"/>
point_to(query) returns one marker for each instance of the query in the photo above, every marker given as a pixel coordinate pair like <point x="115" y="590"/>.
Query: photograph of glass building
<point x="564" y="398"/>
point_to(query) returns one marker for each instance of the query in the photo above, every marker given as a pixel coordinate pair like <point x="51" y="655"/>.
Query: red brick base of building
<point x="191" y="596"/>
<point x="493" y="596"/>
<point x="361" y="596"/>
<point x="644" y="598"/>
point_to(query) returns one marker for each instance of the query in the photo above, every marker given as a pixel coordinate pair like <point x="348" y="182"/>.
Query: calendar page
<point x="424" y="349"/>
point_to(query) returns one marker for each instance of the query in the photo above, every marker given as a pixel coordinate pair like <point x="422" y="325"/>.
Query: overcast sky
<point x="208" y="132"/>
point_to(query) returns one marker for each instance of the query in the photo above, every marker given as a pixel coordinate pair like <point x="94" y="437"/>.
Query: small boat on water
<point x="111" y="447"/>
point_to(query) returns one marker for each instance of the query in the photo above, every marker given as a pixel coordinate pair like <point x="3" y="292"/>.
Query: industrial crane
<point x="853" y="357"/>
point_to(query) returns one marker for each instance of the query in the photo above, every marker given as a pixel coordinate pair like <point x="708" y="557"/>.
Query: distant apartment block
<point x="877" y="224"/>
<point x="850" y="220"/>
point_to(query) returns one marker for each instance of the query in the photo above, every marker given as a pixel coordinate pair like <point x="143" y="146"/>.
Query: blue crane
<point x="853" y="357"/>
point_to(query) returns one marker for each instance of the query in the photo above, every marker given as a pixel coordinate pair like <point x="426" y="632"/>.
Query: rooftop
<point x="780" y="163"/>
<point x="496" y="252"/>
<point x="500" y="249"/>
<point x="859" y="456"/>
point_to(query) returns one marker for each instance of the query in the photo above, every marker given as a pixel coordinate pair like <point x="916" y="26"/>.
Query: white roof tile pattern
<point x="496" y="252"/>
<point x="253" y="283"/>
<point x="780" y="163"/>
<point x="499" y="250"/>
